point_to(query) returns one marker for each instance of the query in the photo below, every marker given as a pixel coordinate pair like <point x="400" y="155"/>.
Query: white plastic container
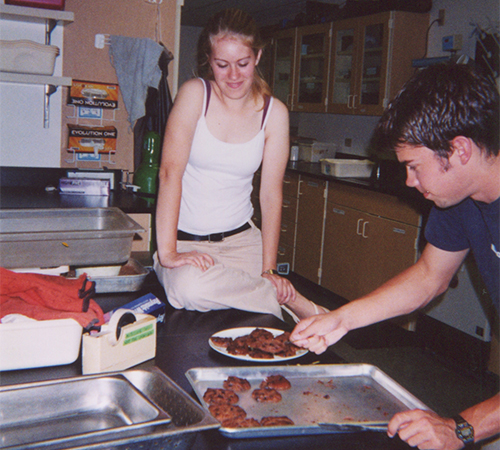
<point x="347" y="168"/>
<point x="316" y="151"/>
<point x="39" y="343"/>
<point x="23" y="56"/>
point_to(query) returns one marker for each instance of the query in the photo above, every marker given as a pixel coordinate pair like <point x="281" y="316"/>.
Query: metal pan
<point x="353" y="397"/>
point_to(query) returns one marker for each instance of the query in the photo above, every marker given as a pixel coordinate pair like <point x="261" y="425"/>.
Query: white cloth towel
<point x="136" y="64"/>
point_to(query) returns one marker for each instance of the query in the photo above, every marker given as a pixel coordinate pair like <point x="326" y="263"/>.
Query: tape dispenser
<point x="128" y="339"/>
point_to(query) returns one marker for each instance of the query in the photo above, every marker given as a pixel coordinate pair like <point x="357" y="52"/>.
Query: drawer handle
<point x="312" y="184"/>
<point x="364" y="230"/>
<point x="399" y="230"/>
<point x="338" y="211"/>
<point x="358" y="227"/>
<point x="281" y="251"/>
<point x="286" y="204"/>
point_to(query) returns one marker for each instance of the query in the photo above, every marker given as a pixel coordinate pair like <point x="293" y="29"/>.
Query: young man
<point x="444" y="127"/>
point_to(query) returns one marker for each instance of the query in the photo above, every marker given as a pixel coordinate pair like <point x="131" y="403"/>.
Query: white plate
<point x="243" y="331"/>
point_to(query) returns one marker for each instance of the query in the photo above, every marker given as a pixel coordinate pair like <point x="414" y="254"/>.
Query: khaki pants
<point x="234" y="280"/>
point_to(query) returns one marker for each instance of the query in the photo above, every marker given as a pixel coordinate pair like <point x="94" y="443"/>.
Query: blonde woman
<point x="222" y="128"/>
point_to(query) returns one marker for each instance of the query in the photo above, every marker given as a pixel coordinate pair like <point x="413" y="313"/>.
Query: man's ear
<point x="463" y="148"/>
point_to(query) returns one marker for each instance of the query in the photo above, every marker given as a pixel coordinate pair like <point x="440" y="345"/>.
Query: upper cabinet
<point x="312" y="56"/>
<point x="372" y="58"/>
<point x="352" y="66"/>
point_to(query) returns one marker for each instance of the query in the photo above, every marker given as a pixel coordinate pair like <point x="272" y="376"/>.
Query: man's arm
<point x="405" y="293"/>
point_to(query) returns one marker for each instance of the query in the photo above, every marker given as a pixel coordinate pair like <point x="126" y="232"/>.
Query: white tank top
<point x="217" y="182"/>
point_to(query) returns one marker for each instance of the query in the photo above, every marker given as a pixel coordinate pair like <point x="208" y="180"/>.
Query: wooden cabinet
<point x="371" y="59"/>
<point x="369" y="238"/>
<point x="301" y="64"/>
<point x="309" y="236"/>
<point x="283" y="65"/>
<point x="352" y="66"/>
<point x="286" y="246"/>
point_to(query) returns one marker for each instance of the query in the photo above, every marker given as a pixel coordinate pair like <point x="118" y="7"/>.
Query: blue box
<point x="147" y="304"/>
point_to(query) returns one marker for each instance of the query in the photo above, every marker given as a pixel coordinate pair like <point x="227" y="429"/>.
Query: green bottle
<point x="146" y="175"/>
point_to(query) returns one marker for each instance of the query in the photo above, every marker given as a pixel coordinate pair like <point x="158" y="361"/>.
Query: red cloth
<point x="46" y="297"/>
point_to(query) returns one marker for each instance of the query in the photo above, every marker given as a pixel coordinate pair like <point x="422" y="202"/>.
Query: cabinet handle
<point x="281" y="251"/>
<point x="312" y="184"/>
<point x="364" y="230"/>
<point x="354" y="101"/>
<point x="350" y="101"/>
<point x="286" y="204"/>
<point x="358" y="232"/>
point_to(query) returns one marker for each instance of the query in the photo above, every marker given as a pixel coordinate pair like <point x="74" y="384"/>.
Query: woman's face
<point x="233" y="64"/>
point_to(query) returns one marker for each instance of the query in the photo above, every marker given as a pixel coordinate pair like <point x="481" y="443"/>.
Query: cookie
<point x="220" y="397"/>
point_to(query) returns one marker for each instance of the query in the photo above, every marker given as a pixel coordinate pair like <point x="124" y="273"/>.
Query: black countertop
<point x="26" y="188"/>
<point x="182" y="344"/>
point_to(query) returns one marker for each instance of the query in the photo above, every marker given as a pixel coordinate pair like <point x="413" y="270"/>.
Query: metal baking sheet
<point x="187" y="417"/>
<point x="342" y="394"/>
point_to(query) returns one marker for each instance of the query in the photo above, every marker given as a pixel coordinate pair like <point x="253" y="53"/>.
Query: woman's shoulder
<point x="194" y="86"/>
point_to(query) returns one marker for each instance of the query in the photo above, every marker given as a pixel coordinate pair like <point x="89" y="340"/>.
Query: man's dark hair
<point x="438" y="104"/>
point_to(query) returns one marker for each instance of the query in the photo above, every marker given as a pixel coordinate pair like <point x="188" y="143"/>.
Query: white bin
<point x="23" y="56"/>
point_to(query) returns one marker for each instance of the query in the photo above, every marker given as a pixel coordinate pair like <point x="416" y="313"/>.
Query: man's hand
<point x="425" y="430"/>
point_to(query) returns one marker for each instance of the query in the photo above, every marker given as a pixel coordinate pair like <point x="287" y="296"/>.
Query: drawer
<point x="375" y="203"/>
<point x="289" y="209"/>
<point x="285" y="254"/>
<point x="290" y="184"/>
<point x="287" y="233"/>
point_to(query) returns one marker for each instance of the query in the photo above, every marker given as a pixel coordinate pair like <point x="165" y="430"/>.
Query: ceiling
<point x="265" y="12"/>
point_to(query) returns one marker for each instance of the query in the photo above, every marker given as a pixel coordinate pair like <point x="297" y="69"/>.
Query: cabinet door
<point x="388" y="248"/>
<point x="342" y="79"/>
<point x="313" y="57"/>
<point x="362" y="251"/>
<point x="342" y="250"/>
<point x="309" y="234"/>
<point x="283" y="64"/>
<point x="370" y="96"/>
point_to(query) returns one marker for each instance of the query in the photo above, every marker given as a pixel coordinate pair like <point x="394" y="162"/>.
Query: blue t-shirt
<point x="470" y="225"/>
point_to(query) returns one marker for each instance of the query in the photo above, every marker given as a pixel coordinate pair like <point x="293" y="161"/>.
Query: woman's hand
<point x="425" y="430"/>
<point x="285" y="292"/>
<point x="174" y="259"/>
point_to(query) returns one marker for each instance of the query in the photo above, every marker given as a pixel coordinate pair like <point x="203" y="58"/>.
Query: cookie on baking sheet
<point x="266" y="396"/>
<point x="276" y="421"/>
<point x="249" y="422"/>
<point x="278" y="382"/>
<point x="236" y="384"/>
<point x="220" y="396"/>
<point x="227" y="412"/>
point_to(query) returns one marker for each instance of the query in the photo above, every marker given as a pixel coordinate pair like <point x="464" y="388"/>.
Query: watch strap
<point x="464" y="430"/>
<point x="270" y="272"/>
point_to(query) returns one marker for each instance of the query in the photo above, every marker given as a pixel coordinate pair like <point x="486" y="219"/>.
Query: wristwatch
<point x="464" y="430"/>
<point x="270" y="272"/>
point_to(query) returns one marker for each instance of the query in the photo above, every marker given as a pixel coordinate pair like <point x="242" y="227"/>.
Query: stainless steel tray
<point x="133" y="409"/>
<point x="121" y="283"/>
<point x="347" y="395"/>
<point x="31" y="238"/>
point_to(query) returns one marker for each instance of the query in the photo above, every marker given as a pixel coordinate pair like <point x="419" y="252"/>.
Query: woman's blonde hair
<point x="236" y="23"/>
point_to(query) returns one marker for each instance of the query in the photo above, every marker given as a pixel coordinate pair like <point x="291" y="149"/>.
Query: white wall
<point x="23" y="139"/>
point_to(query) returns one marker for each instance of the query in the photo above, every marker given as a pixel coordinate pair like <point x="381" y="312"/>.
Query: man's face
<point x="439" y="179"/>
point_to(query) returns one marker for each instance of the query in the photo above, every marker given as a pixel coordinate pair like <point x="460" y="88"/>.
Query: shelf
<point x="24" y="13"/>
<point x="27" y="78"/>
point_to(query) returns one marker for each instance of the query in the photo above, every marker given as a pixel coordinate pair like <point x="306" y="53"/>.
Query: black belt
<point x="215" y="237"/>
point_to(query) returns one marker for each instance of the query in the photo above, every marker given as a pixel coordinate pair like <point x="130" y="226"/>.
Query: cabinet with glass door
<point x="312" y="54"/>
<point x="372" y="58"/>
